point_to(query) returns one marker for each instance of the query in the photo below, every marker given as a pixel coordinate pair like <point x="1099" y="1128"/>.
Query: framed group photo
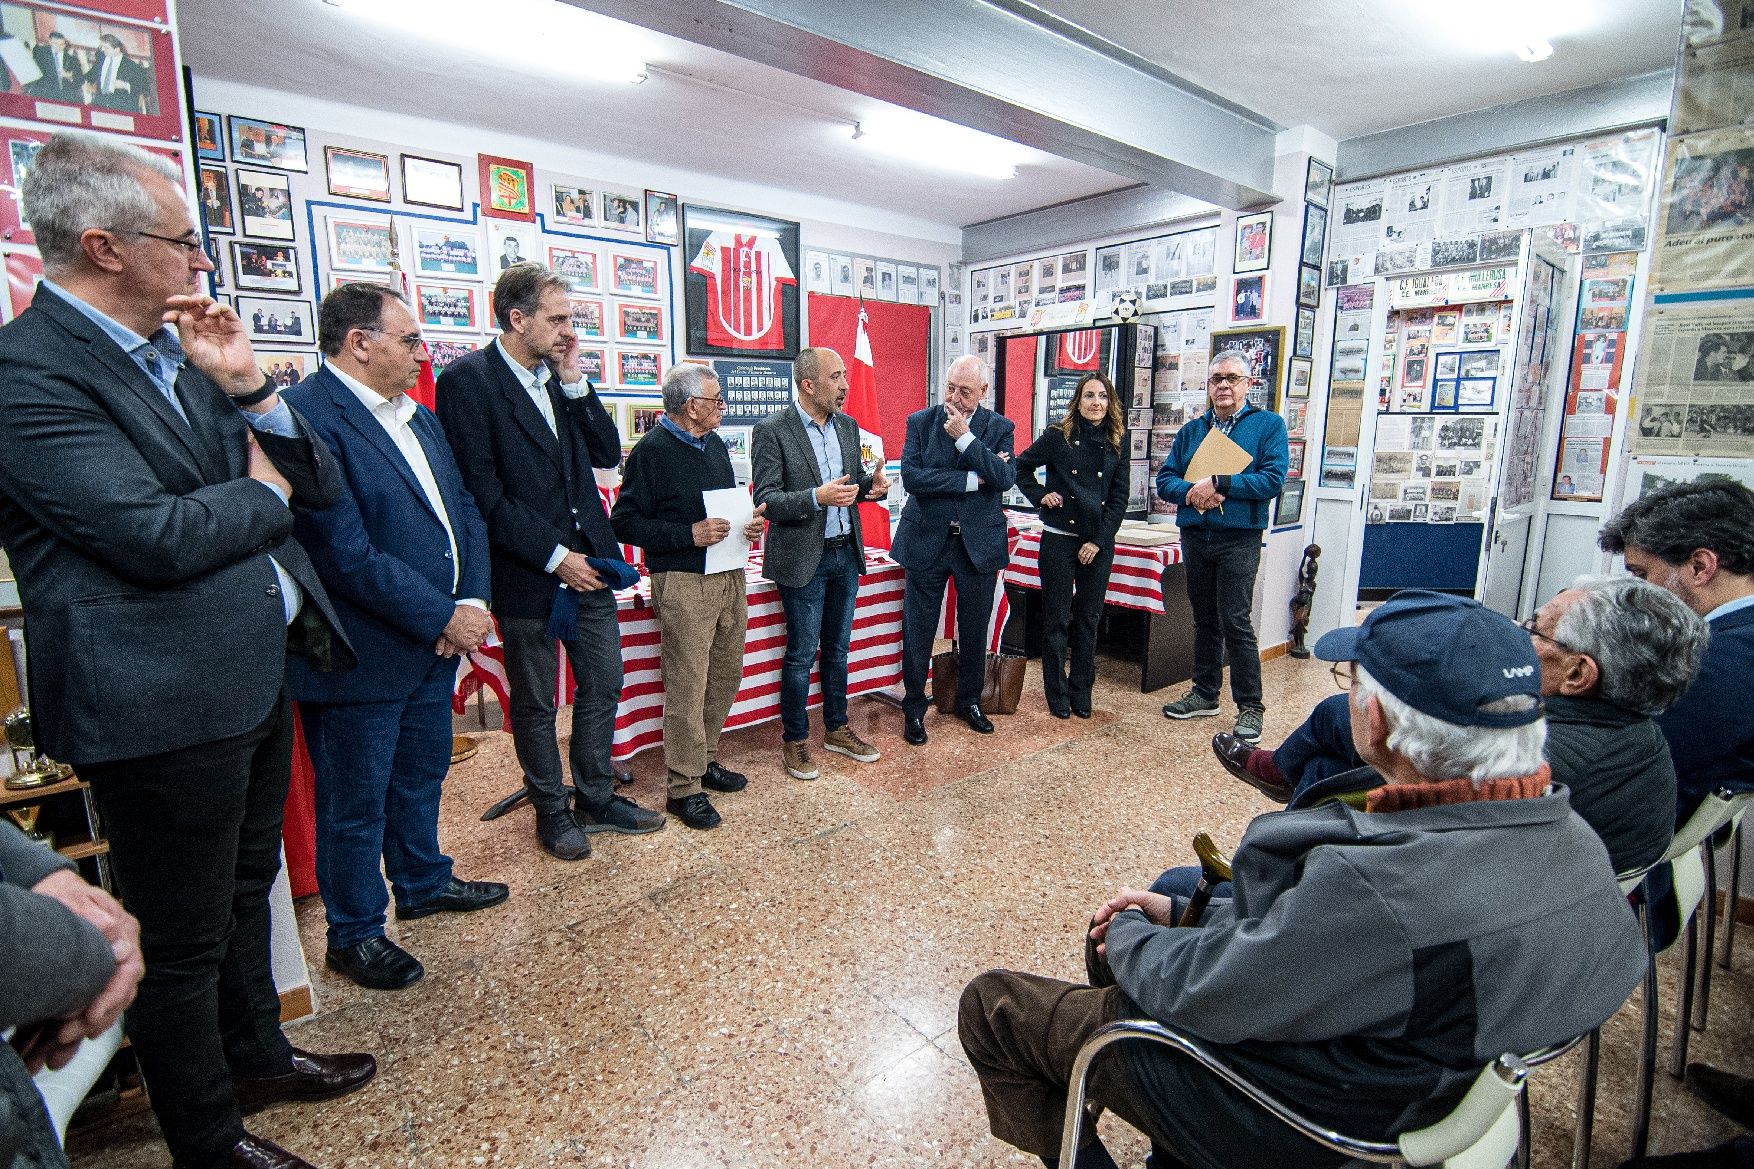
<point x="640" y="323"/>
<point x="357" y="174"/>
<point x="575" y="266"/>
<point x="272" y="144"/>
<point x="573" y="206"/>
<point x="444" y="251"/>
<point x="265" y="267"/>
<point x="448" y="306"/>
<point x="634" y="275"/>
<point x="588" y="319"/>
<point x="740" y="286"/>
<point x="622" y="212"/>
<point x="288" y="322"/>
<point x="362" y="246"/>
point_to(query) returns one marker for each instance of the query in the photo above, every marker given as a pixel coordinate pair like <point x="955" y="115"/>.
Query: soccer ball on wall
<point x="1125" y="306"/>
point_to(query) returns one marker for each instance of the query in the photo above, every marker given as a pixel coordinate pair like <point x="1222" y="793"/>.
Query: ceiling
<point x="1346" y="67"/>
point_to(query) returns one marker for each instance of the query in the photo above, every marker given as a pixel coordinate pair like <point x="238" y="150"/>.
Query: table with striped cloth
<point x="1135" y="582"/>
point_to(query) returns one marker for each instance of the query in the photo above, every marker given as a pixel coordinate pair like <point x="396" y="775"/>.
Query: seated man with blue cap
<point x="1375" y="953"/>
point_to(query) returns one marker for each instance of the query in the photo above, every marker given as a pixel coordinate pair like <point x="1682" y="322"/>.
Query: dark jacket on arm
<point x="1087" y="472"/>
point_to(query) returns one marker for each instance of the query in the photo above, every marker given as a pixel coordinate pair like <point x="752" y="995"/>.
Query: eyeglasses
<point x="1528" y="627"/>
<point x="1342" y="672"/>
<point x="190" y="247"/>
<point x="715" y="403"/>
<point x="408" y="341"/>
<point x="1228" y="379"/>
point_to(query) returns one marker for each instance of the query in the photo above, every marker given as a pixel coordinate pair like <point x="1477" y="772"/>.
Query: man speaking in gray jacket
<point x="1372" y="960"/>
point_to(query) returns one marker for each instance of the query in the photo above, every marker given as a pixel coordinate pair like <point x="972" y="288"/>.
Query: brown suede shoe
<point x="796" y="757"/>
<point x="842" y="741"/>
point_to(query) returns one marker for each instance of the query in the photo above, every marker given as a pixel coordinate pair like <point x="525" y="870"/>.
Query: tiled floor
<point x="781" y="991"/>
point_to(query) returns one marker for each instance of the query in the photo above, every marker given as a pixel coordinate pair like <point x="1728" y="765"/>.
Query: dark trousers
<point x="1321" y="745"/>
<point x="920" y="607"/>
<point x="195" y="844"/>
<point x="532" y="663"/>
<point x="1071" y="603"/>
<point x="379" y="769"/>
<point x="1221" y="590"/>
<point x="819" y="616"/>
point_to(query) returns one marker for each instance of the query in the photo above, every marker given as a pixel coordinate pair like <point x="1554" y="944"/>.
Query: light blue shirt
<point x="160" y="357"/>
<point x="826" y="442"/>
<point x="697" y="441"/>
<point x="1728" y="607"/>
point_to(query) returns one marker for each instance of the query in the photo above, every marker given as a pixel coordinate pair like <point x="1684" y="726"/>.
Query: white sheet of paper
<point x="735" y="505"/>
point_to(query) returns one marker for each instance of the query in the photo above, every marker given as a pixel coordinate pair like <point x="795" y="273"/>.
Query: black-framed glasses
<point x="1342" y="672"/>
<point x="1528" y="627"/>
<point x="408" y="341"/>
<point x="189" y="246"/>
<point x="716" y="403"/>
<point x="1228" y="379"/>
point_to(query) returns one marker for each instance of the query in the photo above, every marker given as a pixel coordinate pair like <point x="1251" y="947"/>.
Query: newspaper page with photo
<point x="1694" y="382"/>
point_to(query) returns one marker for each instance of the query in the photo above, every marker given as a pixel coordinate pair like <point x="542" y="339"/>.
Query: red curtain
<point x="899" y="346"/>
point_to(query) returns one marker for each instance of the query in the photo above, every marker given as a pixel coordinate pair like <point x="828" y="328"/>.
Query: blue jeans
<point x="1180" y="882"/>
<point x="379" y="767"/>
<point x="819" y="616"/>
<point x="1321" y="745"/>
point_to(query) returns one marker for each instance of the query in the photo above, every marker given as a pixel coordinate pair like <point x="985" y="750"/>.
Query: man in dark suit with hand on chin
<point x="955" y="466"/>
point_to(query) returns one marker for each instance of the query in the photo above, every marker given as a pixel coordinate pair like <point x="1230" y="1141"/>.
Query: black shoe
<point x="457" y="897"/>
<point x="1059" y="712"/>
<point x="376" y="964"/>
<point x="721" y="779"/>
<point x="914" y="730"/>
<point x="1234" y="754"/>
<point x="561" y="836"/>
<point x="696" y="811"/>
<point x="313" y="1077"/>
<point x="976" y="721"/>
<point x="1081" y="711"/>
<point x="619" y="815"/>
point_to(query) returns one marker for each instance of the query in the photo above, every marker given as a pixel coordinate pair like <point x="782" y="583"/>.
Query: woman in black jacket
<point x="1081" y="509"/>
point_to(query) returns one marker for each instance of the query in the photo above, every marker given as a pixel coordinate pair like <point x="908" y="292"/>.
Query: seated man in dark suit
<point x="1615" y="653"/>
<point x="955" y="466"/>
<point x="404" y="555"/>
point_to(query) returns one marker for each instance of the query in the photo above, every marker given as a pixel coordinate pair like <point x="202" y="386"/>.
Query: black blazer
<point x="935" y="476"/>
<point x="152" y="614"/>
<point x="534" y="492"/>
<point x="1090" y="478"/>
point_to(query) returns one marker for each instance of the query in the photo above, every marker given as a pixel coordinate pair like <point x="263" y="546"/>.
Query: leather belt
<point x="836" y="542"/>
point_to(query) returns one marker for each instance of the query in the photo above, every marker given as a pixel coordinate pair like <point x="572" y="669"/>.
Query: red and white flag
<point x="861" y="407"/>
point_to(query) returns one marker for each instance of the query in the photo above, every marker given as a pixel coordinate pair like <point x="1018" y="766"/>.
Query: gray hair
<point x="79" y="182"/>
<point x="981" y="368"/>
<point x="521" y="287"/>
<point x="684" y="381"/>
<point x="1440" y="750"/>
<point x="1247" y="361"/>
<point x="1647" y="643"/>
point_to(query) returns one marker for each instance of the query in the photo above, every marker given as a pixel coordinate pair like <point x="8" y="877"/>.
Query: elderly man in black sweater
<point x="701" y="617"/>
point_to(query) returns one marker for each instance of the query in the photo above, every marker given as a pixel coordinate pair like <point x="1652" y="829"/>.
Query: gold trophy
<point x="31" y="770"/>
<point x="26" y="816"/>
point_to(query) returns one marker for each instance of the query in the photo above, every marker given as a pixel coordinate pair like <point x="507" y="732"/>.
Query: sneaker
<point x="619" y="815"/>
<point x="562" y="837"/>
<point x="1191" y="705"/>
<point x="721" y="779"/>
<point x="1248" y="724"/>
<point x="842" y="741"/>
<point x="696" y="811"/>
<point x="799" y="765"/>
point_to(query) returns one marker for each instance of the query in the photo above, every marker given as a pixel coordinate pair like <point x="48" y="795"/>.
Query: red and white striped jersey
<point x="1079" y="349"/>
<point x="743" y="277"/>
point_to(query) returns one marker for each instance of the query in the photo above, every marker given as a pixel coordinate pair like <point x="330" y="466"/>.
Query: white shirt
<point x="394" y="414"/>
<point x="1728" y="607"/>
<point x="535" y="383"/>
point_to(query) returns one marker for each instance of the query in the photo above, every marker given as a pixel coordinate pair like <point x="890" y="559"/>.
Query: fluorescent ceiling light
<point x="1535" y="51"/>
<point x="1524" y="27"/>
<point x="933" y="142"/>
<point x="535" y="35"/>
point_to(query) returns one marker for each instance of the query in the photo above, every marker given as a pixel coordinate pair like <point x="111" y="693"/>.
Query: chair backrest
<point x="1714" y="811"/>
<point x="1482" y="1131"/>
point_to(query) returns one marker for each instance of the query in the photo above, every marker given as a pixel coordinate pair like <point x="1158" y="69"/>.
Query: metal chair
<point x="1733" y="894"/>
<point x="1481" y="1132"/>
<point x="1696" y="884"/>
<point x="1734" y="898"/>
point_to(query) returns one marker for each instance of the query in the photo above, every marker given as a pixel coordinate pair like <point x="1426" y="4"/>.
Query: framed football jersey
<point x="740" y="287"/>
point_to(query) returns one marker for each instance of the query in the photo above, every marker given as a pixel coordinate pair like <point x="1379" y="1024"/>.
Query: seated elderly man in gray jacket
<point x="69" y="963"/>
<point x="1371" y="960"/>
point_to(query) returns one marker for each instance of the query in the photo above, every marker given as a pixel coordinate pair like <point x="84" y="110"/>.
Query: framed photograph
<point x="1443" y="394"/>
<point x="209" y="138"/>
<point x="588" y="319"/>
<point x="1296" y="417"/>
<point x="577" y="267"/>
<point x="505" y="188"/>
<point x="1294" y="463"/>
<point x="208" y="245"/>
<point x="265" y="267"/>
<point x="573" y="206"/>
<point x="1289" y="509"/>
<point x="290" y="322"/>
<point x="640" y="323"/>
<point x="622" y="212"/>
<point x="1476" y="393"/>
<point x="1315" y="234"/>
<point x="432" y="182"/>
<point x="1265" y="349"/>
<point x="448" y="306"/>
<point x="1250" y="300"/>
<point x="638" y="367"/>
<point x="1303" y="344"/>
<point x="740" y="287"/>
<point x="357" y="174"/>
<point x="1318" y="183"/>
<point x="216" y="201"/>
<point x="285" y="370"/>
<point x="93" y="66"/>
<point x="509" y="242"/>
<point x="445" y="352"/>
<point x="642" y="419"/>
<point x="361" y="245"/>
<point x="661" y="218"/>
<point x="1309" y="286"/>
<point x="1447" y="366"/>
<point x="594" y="363"/>
<point x="1482" y="363"/>
<point x="633" y="275"/>
<point x="268" y="144"/>
<point x="1254" y="242"/>
<point x="445" y="251"/>
<point x="1299" y="376"/>
<point x="265" y="203"/>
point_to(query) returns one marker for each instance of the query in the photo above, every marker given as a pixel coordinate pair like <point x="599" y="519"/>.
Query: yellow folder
<point x="1217" y="455"/>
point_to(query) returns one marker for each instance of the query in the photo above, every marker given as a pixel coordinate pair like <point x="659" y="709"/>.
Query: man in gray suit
<point x="807" y="470"/>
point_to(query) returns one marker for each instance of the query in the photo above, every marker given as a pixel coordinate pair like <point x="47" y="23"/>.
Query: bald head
<point x="965" y="383"/>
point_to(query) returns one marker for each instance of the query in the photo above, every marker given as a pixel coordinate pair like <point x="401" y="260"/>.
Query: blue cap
<point x="1448" y="657"/>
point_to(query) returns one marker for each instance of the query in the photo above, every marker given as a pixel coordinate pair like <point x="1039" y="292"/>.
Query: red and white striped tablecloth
<point x="873" y="662"/>
<point x="1135" y="582"/>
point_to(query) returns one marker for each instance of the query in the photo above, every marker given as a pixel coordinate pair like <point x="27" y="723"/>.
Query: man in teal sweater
<point x="1221" y="519"/>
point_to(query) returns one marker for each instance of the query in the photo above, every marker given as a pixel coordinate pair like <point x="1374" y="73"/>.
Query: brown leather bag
<point x="1001" y="690"/>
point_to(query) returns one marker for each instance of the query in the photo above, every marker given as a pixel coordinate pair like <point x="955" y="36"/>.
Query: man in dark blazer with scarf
<point x="528" y="429"/>
<point x="806" y="467"/>
<point x="955" y="466"/>
<point x="146" y="472"/>
<point x="403" y="553"/>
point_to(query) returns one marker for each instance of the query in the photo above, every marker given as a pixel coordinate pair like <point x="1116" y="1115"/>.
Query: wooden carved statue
<point x="1303" y="598"/>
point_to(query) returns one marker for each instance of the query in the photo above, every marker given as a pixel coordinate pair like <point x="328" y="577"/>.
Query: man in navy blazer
<point x="955" y="465"/>
<point x="403" y="553"/>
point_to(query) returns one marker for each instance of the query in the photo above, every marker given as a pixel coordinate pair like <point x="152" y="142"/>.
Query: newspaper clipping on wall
<point x="1694" y="384"/>
<point x="1708" y="212"/>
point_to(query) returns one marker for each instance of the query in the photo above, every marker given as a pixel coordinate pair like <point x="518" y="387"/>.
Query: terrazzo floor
<point x="781" y="991"/>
